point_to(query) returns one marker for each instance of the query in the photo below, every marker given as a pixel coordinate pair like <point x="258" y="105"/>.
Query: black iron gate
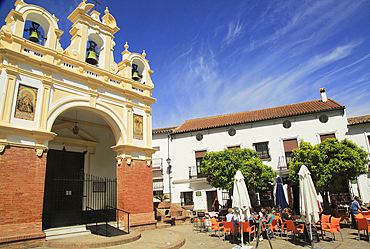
<point x="81" y="199"/>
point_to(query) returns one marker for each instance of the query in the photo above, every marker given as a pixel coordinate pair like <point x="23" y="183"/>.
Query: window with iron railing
<point x="186" y="198"/>
<point x="157" y="163"/>
<point x="199" y="163"/>
<point x="158" y="184"/>
<point x="262" y="150"/>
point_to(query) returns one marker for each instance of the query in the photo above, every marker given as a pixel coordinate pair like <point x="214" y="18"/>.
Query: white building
<point x="359" y="133"/>
<point x="272" y="132"/>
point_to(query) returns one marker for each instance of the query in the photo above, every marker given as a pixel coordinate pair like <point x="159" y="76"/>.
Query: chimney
<point x="323" y="95"/>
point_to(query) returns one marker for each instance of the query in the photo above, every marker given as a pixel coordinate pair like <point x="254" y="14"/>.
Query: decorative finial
<point x="126" y="46"/>
<point x="106" y="11"/>
<point x="143" y="54"/>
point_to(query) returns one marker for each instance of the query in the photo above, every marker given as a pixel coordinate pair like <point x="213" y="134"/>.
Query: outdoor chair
<point x="323" y="223"/>
<point x="273" y="226"/>
<point x="365" y="214"/>
<point x="333" y="227"/>
<point x="358" y="216"/>
<point x="195" y="223"/>
<point x="362" y="224"/>
<point x="216" y="226"/>
<point x="247" y="228"/>
<point x="290" y="227"/>
<point x="229" y="227"/>
<point x="198" y="224"/>
<point x="282" y="227"/>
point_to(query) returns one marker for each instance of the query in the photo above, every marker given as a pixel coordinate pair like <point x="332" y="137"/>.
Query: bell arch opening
<point x="37" y="28"/>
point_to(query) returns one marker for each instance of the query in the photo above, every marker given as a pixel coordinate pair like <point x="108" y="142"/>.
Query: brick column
<point x="135" y="193"/>
<point x="22" y="175"/>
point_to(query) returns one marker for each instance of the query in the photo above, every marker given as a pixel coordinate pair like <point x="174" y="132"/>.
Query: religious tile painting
<point x="26" y="102"/>
<point x="138" y="127"/>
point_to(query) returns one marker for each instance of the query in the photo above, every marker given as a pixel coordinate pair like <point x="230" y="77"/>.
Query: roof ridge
<point x="300" y="108"/>
<point x="229" y="114"/>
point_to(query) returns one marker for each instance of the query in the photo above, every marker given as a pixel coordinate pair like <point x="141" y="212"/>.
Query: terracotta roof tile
<point x="164" y="130"/>
<point x="259" y="115"/>
<point x="359" y="120"/>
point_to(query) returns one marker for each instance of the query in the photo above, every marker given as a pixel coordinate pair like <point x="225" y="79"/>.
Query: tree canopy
<point x="220" y="168"/>
<point x="330" y="163"/>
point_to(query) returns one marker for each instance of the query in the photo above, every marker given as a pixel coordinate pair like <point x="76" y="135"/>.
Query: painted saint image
<point x="138" y="127"/>
<point x="26" y="102"/>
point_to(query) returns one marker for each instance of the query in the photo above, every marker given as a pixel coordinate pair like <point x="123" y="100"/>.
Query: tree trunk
<point x="325" y="198"/>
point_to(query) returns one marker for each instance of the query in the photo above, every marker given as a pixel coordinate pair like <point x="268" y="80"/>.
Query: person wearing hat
<point x="354" y="207"/>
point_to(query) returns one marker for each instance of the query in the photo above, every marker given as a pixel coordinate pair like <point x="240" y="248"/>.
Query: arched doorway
<point x="80" y="180"/>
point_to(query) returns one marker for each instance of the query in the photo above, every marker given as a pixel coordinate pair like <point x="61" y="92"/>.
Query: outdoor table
<point x="211" y="214"/>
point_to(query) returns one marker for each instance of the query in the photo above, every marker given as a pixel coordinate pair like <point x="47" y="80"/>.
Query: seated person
<point x="285" y="215"/>
<point x="230" y="217"/>
<point x="267" y="218"/>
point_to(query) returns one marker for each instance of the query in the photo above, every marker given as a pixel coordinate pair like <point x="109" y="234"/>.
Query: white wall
<point x="184" y="145"/>
<point x="359" y="135"/>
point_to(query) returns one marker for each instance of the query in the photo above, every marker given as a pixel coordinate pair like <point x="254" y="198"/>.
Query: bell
<point x="34" y="33"/>
<point x="34" y="37"/>
<point x="135" y="76"/>
<point x="91" y="58"/>
<point x="135" y="73"/>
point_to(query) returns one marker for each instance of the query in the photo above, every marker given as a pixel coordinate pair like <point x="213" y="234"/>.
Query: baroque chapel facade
<point x="71" y="115"/>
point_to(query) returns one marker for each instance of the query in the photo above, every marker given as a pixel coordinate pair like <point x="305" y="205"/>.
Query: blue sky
<point x="217" y="57"/>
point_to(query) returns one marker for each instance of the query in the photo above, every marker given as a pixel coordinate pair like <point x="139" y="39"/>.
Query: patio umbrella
<point x="280" y="196"/>
<point x="308" y="196"/>
<point x="241" y="201"/>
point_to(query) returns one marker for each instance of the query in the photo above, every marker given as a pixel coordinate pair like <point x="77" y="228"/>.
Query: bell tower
<point x="92" y="38"/>
<point x="42" y="89"/>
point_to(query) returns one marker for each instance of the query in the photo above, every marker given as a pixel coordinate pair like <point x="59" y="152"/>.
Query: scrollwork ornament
<point x="2" y="147"/>
<point x="39" y="152"/>
<point x="119" y="160"/>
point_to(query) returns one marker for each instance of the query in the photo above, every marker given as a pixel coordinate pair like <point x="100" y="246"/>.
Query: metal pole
<point x="169" y="166"/>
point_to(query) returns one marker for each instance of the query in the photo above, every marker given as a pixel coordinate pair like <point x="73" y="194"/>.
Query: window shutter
<point x="323" y="137"/>
<point x="199" y="154"/>
<point x="290" y="145"/>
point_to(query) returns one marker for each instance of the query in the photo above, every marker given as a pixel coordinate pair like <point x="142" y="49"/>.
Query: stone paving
<point x="175" y="236"/>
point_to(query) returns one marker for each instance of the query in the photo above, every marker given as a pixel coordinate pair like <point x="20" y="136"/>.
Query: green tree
<point x="331" y="163"/>
<point x="220" y="168"/>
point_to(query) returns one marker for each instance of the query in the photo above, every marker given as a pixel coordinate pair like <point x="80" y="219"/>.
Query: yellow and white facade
<point x="40" y="82"/>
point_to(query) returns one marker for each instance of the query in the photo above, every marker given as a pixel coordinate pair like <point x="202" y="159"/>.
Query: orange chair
<point x="229" y="227"/>
<point x="362" y="224"/>
<point x="323" y="222"/>
<point x="290" y="227"/>
<point x="273" y="226"/>
<point x="282" y="227"/>
<point x="358" y="216"/>
<point x="216" y="226"/>
<point x="195" y="223"/>
<point x="365" y="214"/>
<point x="333" y="227"/>
<point x="247" y="228"/>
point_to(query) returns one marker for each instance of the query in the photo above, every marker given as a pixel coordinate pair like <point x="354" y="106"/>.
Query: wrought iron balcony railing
<point x="195" y="172"/>
<point x="157" y="164"/>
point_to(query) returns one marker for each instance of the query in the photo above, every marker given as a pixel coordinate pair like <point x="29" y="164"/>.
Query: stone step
<point x="64" y="232"/>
